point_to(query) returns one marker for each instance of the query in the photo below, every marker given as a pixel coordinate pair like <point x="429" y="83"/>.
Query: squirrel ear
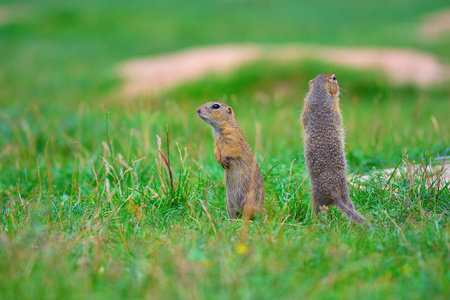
<point x="310" y="83"/>
<point x="229" y="111"/>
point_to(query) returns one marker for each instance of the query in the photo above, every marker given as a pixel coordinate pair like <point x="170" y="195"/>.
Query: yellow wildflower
<point x="241" y="249"/>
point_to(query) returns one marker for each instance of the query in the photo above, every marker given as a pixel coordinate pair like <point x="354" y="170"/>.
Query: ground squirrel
<point x="323" y="138"/>
<point x="245" y="186"/>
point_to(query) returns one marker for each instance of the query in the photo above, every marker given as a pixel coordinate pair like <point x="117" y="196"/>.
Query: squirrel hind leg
<point x="350" y="212"/>
<point x="233" y="213"/>
<point x="321" y="209"/>
<point x="321" y="205"/>
<point x="250" y="212"/>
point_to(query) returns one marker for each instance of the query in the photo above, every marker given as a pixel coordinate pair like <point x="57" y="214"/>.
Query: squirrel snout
<point x="199" y="110"/>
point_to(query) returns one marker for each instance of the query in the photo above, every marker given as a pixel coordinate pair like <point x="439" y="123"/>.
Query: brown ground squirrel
<point x="323" y="138"/>
<point x="245" y="186"/>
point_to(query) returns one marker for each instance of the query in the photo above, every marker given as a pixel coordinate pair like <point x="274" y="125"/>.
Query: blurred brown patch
<point x="159" y="73"/>
<point x="435" y="25"/>
<point x="12" y="12"/>
<point x="4" y="16"/>
<point x="402" y="66"/>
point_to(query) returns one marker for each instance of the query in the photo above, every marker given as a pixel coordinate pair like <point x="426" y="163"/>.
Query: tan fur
<point x="323" y="138"/>
<point x="245" y="186"/>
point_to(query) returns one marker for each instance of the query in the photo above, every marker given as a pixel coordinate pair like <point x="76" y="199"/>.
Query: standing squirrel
<point x="245" y="186"/>
<point x="323" y="138"/>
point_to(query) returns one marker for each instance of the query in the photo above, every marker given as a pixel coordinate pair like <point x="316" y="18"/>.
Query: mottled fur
<point x="323" y="138"/>
<point x="245" y="186"/>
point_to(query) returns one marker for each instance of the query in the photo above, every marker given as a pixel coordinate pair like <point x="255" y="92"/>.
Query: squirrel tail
<point x="351" y="213"/>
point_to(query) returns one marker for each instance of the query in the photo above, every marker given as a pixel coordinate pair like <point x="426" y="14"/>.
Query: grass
<point x="87" y="207"/>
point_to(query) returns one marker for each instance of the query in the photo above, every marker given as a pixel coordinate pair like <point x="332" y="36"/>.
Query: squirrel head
<point x="216" y="114"/>
<point x="324" y="83"/>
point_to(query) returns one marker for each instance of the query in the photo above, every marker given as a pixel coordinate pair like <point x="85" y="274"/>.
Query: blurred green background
<point x="59" y="60"/>
<point x="62" y="151"/>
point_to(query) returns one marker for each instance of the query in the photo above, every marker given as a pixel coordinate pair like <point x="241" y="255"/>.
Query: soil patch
<point x="436" y="25"/>
<point x="437" y="175"/>
<point x="159" y="73"/>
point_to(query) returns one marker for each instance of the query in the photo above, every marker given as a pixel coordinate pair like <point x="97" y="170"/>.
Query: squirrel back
<point x="323" y="138"/>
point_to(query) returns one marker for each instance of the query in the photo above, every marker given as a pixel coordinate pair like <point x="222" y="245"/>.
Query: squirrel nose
<point x="199" y="110"/>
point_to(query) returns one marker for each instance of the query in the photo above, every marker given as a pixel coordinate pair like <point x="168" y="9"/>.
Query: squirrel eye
<point x="334" y="77"/>
<point x="215" y="106"/>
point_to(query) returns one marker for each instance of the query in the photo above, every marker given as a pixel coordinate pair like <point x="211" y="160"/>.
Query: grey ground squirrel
<point x="323" y="138"/>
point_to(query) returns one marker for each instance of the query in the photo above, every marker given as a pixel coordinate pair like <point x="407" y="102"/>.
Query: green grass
<point x="87" y="209"/>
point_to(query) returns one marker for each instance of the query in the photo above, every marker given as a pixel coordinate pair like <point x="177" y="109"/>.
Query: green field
<point x="87" y="208"/>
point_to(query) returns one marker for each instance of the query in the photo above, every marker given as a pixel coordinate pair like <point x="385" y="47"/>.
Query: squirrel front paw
<point x="222" y="160"/>
<point x="225" y="163"/>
